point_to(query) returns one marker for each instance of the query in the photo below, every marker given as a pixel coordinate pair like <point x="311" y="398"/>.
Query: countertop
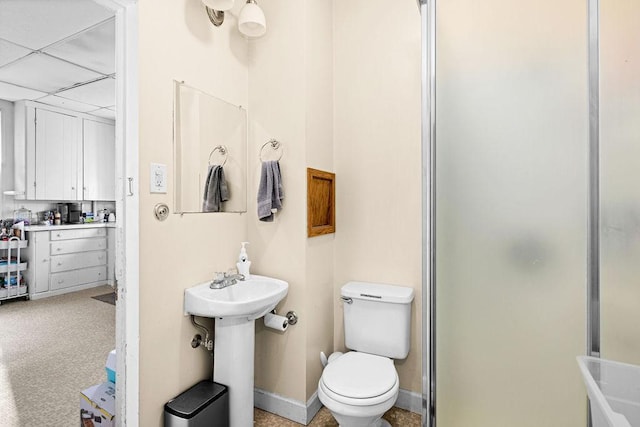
<point x="69" y="226"/>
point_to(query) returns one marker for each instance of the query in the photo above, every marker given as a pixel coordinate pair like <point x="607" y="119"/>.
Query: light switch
<point x="158" y="178"/>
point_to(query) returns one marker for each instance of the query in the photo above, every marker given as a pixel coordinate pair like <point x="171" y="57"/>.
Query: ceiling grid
<point x="58" y="52"/>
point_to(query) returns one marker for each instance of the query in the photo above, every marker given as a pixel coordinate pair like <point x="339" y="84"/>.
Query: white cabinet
<point x="62" y="155"/>
<point x="58" y="147"/>
<point x="38" y="272"/>
<point x="99" y="160"/>
<point x="67" y="260"/>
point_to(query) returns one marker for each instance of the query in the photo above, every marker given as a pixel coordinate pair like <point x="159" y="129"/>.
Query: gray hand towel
<point x="215" y="190"/>
<point x="270" y="191"/>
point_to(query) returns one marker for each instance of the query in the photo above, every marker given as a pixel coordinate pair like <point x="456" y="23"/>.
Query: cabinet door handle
<point x="59" y="263"/>
<point x="60" y="281"/>
<point x="73" y="188"/>
<point x="58" y="235"/>
<point x="58" y="249"/>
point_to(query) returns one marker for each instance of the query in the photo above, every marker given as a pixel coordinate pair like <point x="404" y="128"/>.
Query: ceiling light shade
<point x="218" y="4"/>
<point x="251" y="21"/>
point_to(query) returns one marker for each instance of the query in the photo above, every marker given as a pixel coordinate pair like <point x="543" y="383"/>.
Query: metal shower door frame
<point x="428" y="49"/>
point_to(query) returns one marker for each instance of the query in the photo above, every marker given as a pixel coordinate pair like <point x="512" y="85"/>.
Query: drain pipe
<point x="197" y="340"/>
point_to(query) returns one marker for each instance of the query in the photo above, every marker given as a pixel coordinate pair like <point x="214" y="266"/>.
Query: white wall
<point x="291" y="99"/>
<point x="177" y="41"/>
<point x="278" y="99"/>
<point x="377" y="155"/>
<point x="320" y="155"/>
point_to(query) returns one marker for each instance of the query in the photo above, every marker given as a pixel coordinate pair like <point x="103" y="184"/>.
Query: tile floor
<point x="397" y="418"/>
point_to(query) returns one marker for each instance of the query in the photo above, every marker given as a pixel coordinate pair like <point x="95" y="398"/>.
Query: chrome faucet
<point x="222" y="280"/>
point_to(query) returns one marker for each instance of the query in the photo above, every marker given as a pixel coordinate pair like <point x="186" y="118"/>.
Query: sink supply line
<point x="197" y="340"/>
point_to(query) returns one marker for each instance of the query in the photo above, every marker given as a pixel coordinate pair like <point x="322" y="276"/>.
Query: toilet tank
<point x="377" y="318"/>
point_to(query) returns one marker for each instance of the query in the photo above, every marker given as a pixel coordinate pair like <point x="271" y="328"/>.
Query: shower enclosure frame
<point x="428" y="128"/>
<point x="428" y="147"/>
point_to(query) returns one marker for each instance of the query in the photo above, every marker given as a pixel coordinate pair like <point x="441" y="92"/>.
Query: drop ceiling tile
<point x="39" y="23"/>
<point x="10" y="92"/>
<point x="101" y="93"/>
<point x="94" y="49"/>
<point x="9" y="52"/>
<point x="67" y="103"/>
<point x="104" y="113"/>
<point x="45" y="73"/>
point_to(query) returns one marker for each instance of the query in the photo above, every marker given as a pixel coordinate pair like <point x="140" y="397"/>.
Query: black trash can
<point x="206" y="404"/>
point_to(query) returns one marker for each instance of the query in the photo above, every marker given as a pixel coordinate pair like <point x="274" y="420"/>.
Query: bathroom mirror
<point x="210" y="141"/>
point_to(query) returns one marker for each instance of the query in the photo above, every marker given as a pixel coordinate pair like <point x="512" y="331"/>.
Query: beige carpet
<point x="50" y="350"/>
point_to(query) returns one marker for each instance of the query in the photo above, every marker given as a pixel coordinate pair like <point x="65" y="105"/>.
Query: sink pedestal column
<point x="233" y="366"/>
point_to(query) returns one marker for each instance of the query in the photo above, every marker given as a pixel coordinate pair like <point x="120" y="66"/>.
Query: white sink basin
<point x="249" y="299"/>
<point x="235" y="308"/>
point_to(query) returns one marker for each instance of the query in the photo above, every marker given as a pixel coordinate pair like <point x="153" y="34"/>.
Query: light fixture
<point x="251" y="21"/>
<point x="215" y="10"/>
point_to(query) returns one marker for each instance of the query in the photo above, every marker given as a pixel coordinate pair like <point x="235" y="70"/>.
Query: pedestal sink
<point x="235" y="309"/>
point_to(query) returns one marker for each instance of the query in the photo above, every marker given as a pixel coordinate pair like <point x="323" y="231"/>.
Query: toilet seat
<point x="360" y="379"/>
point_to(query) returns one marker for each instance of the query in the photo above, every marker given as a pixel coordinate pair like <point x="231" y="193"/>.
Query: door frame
<point x="127" y="208"/>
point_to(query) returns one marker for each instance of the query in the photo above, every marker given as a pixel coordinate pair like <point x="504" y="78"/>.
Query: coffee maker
<point x="75" y="212"/>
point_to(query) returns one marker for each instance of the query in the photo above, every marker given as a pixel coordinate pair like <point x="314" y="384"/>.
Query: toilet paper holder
<point x="292" y="317"/>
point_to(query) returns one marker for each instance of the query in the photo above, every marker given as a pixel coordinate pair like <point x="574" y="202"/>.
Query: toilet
<point x="358" y="387"/>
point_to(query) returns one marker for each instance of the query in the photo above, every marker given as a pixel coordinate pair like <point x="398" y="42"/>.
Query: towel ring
<point x="275" y="144"/>
<point x="223" y="150"/>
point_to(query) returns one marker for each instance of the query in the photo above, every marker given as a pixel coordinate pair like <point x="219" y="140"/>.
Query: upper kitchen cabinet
<point x="99" y="160"/>
<point x="58" y="161"/>
<point x="62" y="155"/>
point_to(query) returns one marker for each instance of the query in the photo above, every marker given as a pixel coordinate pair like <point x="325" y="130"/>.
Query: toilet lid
<point x="360" y="375"/>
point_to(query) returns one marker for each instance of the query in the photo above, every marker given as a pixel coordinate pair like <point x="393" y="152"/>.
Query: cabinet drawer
<point x="63" y="280"/>
<point x="81" y="233"/>
<point x="93" y="274"/>
<point x="67" y="279"/>
<point x="78" y="245"/>
<point x="75" y="261"/>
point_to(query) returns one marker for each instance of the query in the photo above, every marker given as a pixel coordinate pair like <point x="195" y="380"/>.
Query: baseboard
<point x="410" y="401"/>
<point x="313" y="406"/>
<point x="290" y="409"/>
<point x="48" y="294"/>
<point x="302" y="413"/>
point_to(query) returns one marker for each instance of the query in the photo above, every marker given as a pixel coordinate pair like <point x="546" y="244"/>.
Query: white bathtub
<point x="614" y="391"/>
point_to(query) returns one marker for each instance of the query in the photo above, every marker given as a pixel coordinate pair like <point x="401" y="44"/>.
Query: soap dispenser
<point x="243" y="263"/>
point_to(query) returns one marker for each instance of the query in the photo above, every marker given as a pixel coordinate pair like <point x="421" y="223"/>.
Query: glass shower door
<point x="620" y="180"/>
<point x="511" y="218"/>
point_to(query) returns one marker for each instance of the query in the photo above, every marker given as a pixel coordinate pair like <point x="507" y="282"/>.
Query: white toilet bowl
<point x="358" y="388"/>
